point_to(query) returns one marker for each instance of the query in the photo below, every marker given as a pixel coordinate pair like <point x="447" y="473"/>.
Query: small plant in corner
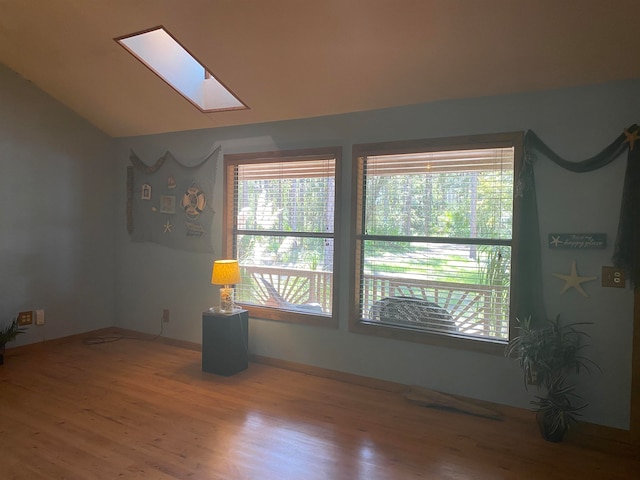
<point x="8" y="334"/>
<point x="547" y="353"/>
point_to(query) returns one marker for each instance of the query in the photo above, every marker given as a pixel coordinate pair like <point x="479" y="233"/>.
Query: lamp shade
<point x="225" y="272"/>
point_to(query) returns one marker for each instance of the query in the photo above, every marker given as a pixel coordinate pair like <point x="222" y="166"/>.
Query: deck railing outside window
<point x="477" y="310"/>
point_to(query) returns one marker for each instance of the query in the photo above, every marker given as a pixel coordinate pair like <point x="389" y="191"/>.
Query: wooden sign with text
<point x="577" y="241"/>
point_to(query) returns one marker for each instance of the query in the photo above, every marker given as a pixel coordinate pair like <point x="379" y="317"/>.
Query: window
<point x="280" y="217"/>
<point x="157" y="49"/>
<point x="434" y="239"/>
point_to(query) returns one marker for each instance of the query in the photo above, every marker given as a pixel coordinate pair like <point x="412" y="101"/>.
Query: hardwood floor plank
<point x="144" y="410"/>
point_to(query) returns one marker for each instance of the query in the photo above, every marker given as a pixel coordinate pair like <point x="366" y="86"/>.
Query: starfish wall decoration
<point x="573" y="280"/>
<point x="556" y="241"/>
<point x="631" y="137"/>
<point x="167" y="227"/>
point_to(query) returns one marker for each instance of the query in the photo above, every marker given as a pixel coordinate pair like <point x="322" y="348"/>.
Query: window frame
<point x="230" y="162"/>
<point x="359" y="152"/>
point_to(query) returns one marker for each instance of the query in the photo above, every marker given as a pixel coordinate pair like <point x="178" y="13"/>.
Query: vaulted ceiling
<point x="291" y="59"/>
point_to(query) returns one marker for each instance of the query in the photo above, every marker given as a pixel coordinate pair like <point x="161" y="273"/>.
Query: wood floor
<point x="144" y="410"/>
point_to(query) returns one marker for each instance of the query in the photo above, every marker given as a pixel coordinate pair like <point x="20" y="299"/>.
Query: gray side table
<point x="225" y="340"/>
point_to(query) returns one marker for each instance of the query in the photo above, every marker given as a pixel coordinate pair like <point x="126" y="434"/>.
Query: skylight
<point x="165" y="56"/>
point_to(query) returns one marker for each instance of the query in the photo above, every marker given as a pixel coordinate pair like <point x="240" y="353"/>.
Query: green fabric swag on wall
<point x="627" y="246"/>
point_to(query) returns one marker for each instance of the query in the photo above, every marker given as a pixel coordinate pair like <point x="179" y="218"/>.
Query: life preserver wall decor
<point x="194" y="201"/>
<point x="167" y="184"/>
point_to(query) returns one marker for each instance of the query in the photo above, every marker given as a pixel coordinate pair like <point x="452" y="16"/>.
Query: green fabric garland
<point x="528" y="276"/>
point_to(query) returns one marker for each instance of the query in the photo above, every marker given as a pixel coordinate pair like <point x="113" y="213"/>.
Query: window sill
<point x="488" y="346"/>
<point x="290" y="316"/>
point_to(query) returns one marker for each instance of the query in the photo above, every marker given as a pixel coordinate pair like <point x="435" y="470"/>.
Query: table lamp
<point x="226" y="273"/>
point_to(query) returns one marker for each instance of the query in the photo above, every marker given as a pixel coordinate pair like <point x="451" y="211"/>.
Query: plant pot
<point x="545" y="425"/>
<point x="2" y="350"/>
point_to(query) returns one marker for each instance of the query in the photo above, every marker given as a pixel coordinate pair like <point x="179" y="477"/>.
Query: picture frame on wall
<point x="168" y="204"/>
<point x="145" y="192"/>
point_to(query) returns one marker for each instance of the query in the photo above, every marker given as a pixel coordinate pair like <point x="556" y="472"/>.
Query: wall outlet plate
<point x="39" y="317"/>
<point x="25" y="318"/>
<point x="613" y="277"/>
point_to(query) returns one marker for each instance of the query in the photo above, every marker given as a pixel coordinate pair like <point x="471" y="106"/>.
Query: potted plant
<point x="547" y="353"/>
<point x="8" y="334"/>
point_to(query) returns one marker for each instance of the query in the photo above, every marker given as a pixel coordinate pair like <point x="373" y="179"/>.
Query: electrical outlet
<point x="25" y="318"/>
<point x="613" y="277"/>
<point x="165" y="315"/>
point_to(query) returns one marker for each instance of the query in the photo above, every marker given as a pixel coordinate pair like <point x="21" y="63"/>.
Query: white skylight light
<point x="165" y="56"/>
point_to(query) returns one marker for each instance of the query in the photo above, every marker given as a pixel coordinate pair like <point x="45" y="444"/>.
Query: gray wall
<point x="577" y="123"/>
<point x="57" y="245"/>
